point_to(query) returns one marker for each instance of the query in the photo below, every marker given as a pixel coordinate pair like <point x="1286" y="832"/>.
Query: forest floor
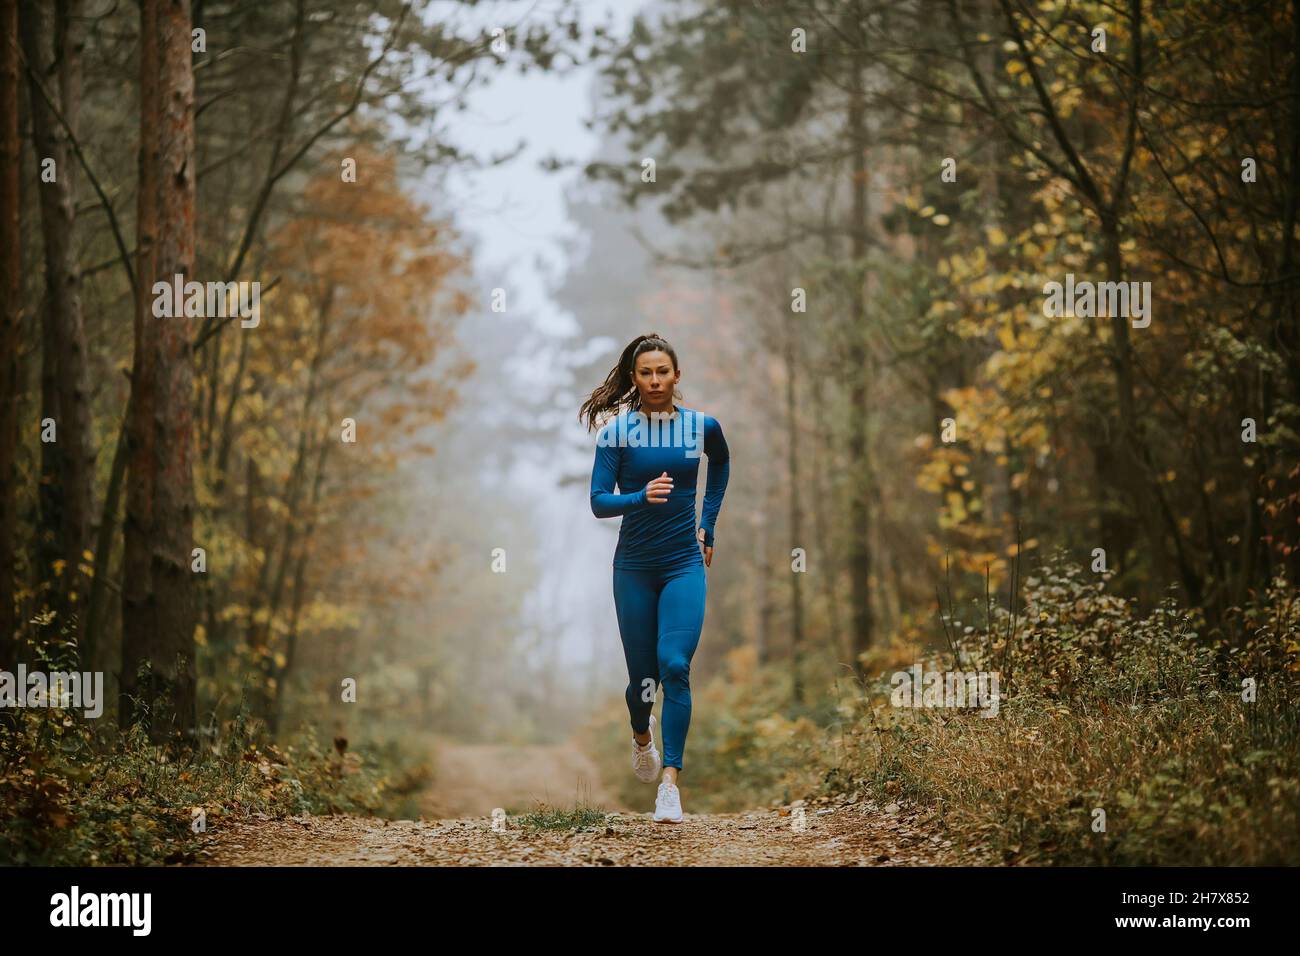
<point x="456" y="826"/>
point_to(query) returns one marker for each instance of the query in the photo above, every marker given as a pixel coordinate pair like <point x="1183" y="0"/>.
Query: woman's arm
<point x="715" y="446"/>
<point x="604" y="472"/>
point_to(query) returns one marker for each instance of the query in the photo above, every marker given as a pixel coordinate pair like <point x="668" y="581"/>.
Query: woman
<point x="651" y="449"/>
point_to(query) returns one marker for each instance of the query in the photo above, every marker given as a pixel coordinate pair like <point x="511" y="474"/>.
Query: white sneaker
<point x="645" y="760"/>
<point x="668" y="804"/>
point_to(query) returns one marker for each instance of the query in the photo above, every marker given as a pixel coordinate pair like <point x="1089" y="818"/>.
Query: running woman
<point x="651" y="450"/>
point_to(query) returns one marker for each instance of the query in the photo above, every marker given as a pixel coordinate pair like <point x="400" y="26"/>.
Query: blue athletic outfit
<point x="659" y="582"/>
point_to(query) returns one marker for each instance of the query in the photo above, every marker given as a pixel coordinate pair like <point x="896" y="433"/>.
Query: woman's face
<point x="655" y="379"/>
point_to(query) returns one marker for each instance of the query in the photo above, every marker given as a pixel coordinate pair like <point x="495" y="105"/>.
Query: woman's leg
<point x="681" y="617"/>
<point x="636" y="599"/>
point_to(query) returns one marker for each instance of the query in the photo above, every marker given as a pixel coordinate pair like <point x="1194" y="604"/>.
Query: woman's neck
<point x="670" y="410"/>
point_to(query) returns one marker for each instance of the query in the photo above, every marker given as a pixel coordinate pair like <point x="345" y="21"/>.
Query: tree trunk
<point x="10" y="324"/>
<point x="269" y="593"/>
<point x="98" y="653"/>
<point x="54" y="81"/>
<point x="824" y="498"/>
<point x="766" y="604"/>
<point x="1137" y="473"/>
<point x="796" y="514"/>
<point x="859" y="456"/>
<point x="1286" y="302"/>
<point x="299" y="594"/>
<point x="158" y="608"/>
<point x="49" y="530"/>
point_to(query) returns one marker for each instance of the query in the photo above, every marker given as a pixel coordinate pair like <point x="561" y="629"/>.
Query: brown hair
<point x="619" y="388"/>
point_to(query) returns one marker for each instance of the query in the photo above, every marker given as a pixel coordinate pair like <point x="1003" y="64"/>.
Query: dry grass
<point x="1137" y="717"/>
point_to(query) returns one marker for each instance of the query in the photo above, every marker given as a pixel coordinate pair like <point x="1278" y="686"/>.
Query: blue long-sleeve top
<point x="632" y="450"/>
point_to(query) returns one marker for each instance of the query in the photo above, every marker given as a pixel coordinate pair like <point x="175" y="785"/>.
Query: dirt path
<point x="474" y="779"/>
<point x="481" y="778"/>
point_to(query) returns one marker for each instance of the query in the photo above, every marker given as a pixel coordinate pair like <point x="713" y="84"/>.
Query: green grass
<point x="546" y="817"/>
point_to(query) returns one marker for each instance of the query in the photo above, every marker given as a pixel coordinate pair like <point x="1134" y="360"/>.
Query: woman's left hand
<point x="708" y="551"/>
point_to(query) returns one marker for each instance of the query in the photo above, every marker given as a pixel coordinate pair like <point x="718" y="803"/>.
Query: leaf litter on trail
<point x="867" y="836"/>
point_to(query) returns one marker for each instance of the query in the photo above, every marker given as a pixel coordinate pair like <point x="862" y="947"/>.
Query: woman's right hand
<point x="658" y="490"/>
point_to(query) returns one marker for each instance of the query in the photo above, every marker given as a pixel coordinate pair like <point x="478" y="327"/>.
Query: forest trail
<point x="456" y="828"/>
<point x="474" y="779"/>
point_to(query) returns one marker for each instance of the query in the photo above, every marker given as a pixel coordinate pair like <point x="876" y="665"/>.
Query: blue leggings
<point x="660" y="614"/>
